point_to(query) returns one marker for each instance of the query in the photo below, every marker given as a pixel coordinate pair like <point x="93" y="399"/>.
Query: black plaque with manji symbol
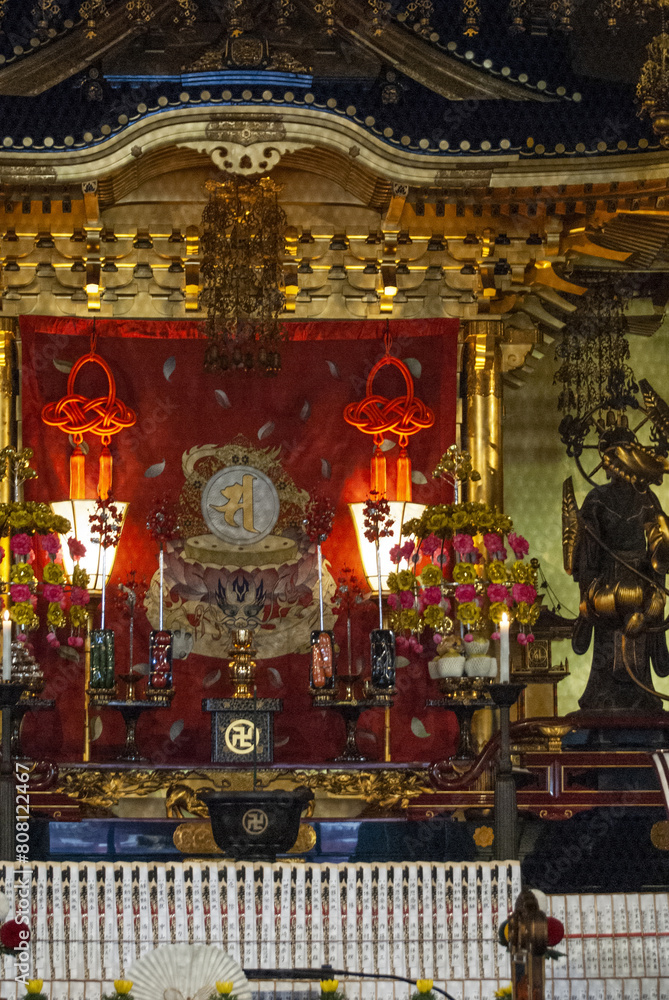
<point x="233" y="722"/>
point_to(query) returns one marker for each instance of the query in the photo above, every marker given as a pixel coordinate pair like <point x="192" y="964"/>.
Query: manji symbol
<point x="255" y="822"/>
<point x="240" y="736"/>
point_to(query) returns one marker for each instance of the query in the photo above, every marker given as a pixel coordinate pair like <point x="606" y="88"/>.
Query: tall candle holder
<point x="506" y="806"/>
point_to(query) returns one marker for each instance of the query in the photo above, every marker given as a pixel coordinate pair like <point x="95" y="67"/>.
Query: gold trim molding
<point x="386" y="788"/>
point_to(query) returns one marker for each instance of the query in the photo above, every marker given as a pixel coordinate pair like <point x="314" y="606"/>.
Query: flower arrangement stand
<point x="463" y="696"/>
<point x="9" y="696"/>
<point x="18" y="714"/>
<point x="506" y="807"/>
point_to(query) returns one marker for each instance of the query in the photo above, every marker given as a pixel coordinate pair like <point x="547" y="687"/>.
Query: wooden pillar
<point x="482" y="437"/>
<point x="482" y="391"/>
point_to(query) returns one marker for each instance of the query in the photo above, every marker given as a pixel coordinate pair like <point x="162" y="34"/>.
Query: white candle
<point x="6" y="647"/>
<point x="504" y="649"/>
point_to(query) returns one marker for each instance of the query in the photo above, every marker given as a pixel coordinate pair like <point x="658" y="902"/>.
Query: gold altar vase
<point x="242" y="664"/>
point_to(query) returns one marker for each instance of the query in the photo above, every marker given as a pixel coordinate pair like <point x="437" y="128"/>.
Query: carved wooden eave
<point x="410" y="54"/>
<point x="72" y="52"/>
<point x="247" y="131"/>
<point x="57" y="59"/>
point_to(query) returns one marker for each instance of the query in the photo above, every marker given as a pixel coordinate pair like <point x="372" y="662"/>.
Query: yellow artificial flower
<point x="464" y="573"/>
<point x="433" y="616"/>
<point x="496" y="611"/>
<point x="460" y="519"/>
<point x="78" y="616"/>
<point x="55" y="615"/>
<point x="527" y="614"/>
<point x="80" y="577"/>
<point x="496" y="572"/>
<point x="468" y="613"/>
<point x="393" y="584"/>
<point x="329" y="985"/>
<point x="22" y="573"/>
<point x="437" y="522"/>
<point x="34" y="985"/>
<point x="483" y="836"/>
<point x="405" y="579"/>
<point x="225" y="987"/>
<point x="519" y="572"/>
<point x="123" y="986"/>
<point x="409" y="620"/>
<point x="424" y="985"/>
<point x="53" y="573"/>
<point x="504" y="992"/>
<point x="431" y="576"/>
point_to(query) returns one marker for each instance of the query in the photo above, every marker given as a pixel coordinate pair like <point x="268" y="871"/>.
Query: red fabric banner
<point x="294" y="421"/>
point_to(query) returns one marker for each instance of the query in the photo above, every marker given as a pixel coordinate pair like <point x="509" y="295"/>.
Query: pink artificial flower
<point x="493" y="543"/>
<point x="53" y="593"/>
<point x="415" y="646"/>
<point x="22" y="637"/>
<point x="469" y="637"/>
<point x="494" y="636"/>
<point x="406" y="550"/>
<point x="436" y="638"/>
<point x="76" y="641"/>
<point x="498" y="593"/>
<point x="395" y="554"/>
<point x="519" y="545"/>
<point x="21" y="544"/>
<point x="51" y="544"/>
<point x="463" y="544"/>
<point x="393" y="601"/>
<point x="77" y="549"/>
<point x="52" y="639"/>
<point x="524" y="592"/>
<point x="432" y="595"/>
<point x="406" y="598"/>
<point x="19" y="592"/>
<point x="530" y="637"/>
<point x="430" y="545"/>
<point x="465" y="592"/>
<point x="81" y="597"/>
<point x="522" y="638"/>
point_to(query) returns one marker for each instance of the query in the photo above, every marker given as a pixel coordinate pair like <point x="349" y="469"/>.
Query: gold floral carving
<point x="197" y="838"/>
<point x="101" y="789"/>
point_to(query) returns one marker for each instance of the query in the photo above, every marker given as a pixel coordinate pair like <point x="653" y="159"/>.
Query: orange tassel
<point x="77" y="474"/>
<point x="105" y="480"/>
<point x="378" y="472"/>
<point x="404" y="477"/>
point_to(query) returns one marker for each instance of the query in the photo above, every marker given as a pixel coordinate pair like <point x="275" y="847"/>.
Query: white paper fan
<point x="185" y="972"/>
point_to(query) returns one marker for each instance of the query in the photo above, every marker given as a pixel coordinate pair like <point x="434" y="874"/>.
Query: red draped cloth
<point x="159" y="374"/>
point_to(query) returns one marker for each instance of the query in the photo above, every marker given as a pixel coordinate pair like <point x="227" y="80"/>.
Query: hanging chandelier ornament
<point x="90" y="12"/>
<point x="243" y="244"/>
<point x="140" y="10"/>
<point x="652" y="92"/>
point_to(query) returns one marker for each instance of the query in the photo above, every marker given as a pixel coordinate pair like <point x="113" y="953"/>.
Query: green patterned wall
<point x="535" y="466"/>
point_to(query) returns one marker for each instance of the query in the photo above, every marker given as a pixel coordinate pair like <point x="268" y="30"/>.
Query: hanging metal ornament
<point x="44" y="10"/>
<point x="325" y="8"/>
<point x="471" y="18"/>
<point x="420" y="12"/>
<point x="379" y="13"/>
<point x="186" y="16"/>
<point x="517" y="14"/>
<point x="140" y="10"/>
<point x="90" y="12"/>
<point x="561" y="13"/>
